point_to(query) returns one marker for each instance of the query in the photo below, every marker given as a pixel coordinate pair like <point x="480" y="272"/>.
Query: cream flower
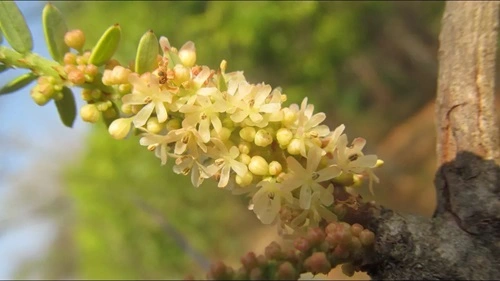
<point x="187" y="138"/>
<point x="308" y="131"/>
<point x="225" y="161"/>
<point x="252" y="102"/>
<point x="333" y="139"/>
<point x="267" y="200"/>
<point x="350" y="158"/>
<point x="188" y="164"/>
<point x="146" y="91"/>
<point x="204" y="113"/>
<point x="308" y="178"/>
<point x="157" y="143"/>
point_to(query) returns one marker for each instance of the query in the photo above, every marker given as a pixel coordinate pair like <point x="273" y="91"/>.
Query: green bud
<point x="154" y="126"/>
<point x="244" y="158"/>
<point x="263" y="138"/>
<point x="244" y="180"/>
<point x="120" y="128"/>
<point x="244" y="147"/>
<point x="147" y="52"/>
<point x="187" y="54"/>
<point x="284" y="136"/>
<point x="106" y="46"/>
<point x="248" y="134"/>
<point x="90" y="113"/>
<point x="173" y="124"/>
<point x="275" y="168"/>
<point x="259" y="166"/>
<point x="294" y="147"/>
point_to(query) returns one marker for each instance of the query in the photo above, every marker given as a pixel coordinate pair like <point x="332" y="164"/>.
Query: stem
<point x="32" y="61"/>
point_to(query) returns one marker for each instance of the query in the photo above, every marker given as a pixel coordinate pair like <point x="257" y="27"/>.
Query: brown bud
<point x="256" y="274"/>
<point x="217" y="271"/>
<point x="69" y="58"/>
<point x="341" y="252"/>
<point x="356" y="229"/>
<point x="315" y="236"/>
<point x="249" y="261"/>
<point x="348" y="269"/>
<point x="273" y="251"/>
<point x="301" y="244"/>
<point x="367" y="237"/>
<point x="286" y="271"/>
<point x="75" y="39"/>
<point x="76" y="77"/>
<point x="317" y="263"/>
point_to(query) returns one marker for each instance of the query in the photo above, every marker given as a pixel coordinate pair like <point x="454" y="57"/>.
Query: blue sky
<point x="30" y="133"/>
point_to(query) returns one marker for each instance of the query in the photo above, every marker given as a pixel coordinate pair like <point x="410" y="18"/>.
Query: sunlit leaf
<point x="54" y="28"/>
<point x="14" y="27"/>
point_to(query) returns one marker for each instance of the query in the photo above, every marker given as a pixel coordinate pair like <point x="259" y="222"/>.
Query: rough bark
<point x="462" y="240"/>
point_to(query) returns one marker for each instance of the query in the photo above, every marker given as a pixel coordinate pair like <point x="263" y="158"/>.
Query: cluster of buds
<point x="218" y="125"/>
<point x="317" y="252"/>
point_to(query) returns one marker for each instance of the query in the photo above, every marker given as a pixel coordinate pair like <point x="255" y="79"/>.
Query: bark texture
<point x="462" y="240"/>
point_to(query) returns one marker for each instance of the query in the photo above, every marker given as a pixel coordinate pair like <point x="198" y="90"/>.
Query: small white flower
<point x="204" y="113"/>
<point x="225" y="161"/>
<point x="187" y="138"/>
<point x="307" y="128"/>
<point x="188" y="164"/>
<point x="267" y="200"/>
<point x="146" y="91"/>
<point x="308" y="178"/>
<point x="158" y="143"/>
<point x="252" y="103"/>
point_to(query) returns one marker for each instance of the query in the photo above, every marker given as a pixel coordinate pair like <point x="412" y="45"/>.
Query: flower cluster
<point x="217" y="125"/>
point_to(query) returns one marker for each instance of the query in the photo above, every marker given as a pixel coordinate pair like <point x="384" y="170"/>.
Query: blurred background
<point x="74" y="203"/>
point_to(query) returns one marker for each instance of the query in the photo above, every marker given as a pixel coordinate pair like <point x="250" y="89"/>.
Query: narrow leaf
<point x="106" y="46"/>
<point x="147" y="53"/>
<point x="18" y="83"/>
<point x="67" y="107"/>
<point x="3" y="67"/>
<point x="14" y="27"/>
<point x="54" y="28"/>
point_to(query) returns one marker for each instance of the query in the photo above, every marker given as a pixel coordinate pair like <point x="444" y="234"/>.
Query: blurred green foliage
<point x="365" y="64"/>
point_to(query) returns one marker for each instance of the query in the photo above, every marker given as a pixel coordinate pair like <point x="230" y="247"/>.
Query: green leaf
<point x="106" y="46"/>
<point x="173" y="59"/>
<point x="14" y="27"/>
<point x="18" y="83"/>
<point x="147" y="53"/>
<point x="67" y="107"/>
<point x="54" y="29"/>
<point x="3" y="67"/>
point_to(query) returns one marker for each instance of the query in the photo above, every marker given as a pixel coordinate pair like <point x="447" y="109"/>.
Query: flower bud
<point x="356" y="229"/>
<point x="244" y="147"/>
<point x="69" y="58"/>
<point x="348" y="269"/>
<point x="120" y="128"/>
<point x="173" y="124"/>
<point x="76" y="77"/>
<point x="317" y="263"/>
<point x="275" y="168"/>
<point x="259" y="166"/>
<point x="224" y="134"/>
<point x="289" y="116"/>
<point x="244" y="180"/>
<point x="181" y="74"/>
<point x="187" y="54"/>
<point x="248" y="134"/>
<point x="228" y="123"/>
<point x="244" y="158"/>
<point x="120" y="75"/>
<point x="87" y="94"/>
<point x="286" y="271"/>
<point x="294" y="147"/>
<point x="367" y="237"/>
<point x="90" y="113"/>
<point x="284" y="136"/>
<point x="263" y="138"/>
<point x="75" y="39"/>
<point x="126" y="108"/>
<point x="154" y="126"/>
